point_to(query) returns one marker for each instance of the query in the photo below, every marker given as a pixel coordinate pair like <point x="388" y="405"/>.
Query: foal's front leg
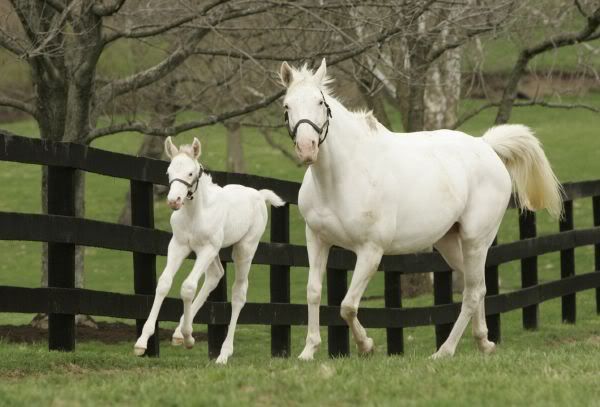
<point x="367" y="260"/>
<point x="215" y="268"/>
<point x="189" y="286"/>
<point x="176" y="254"/>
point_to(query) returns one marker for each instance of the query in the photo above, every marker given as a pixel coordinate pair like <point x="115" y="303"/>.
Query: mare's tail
<point x="533" y="180"/>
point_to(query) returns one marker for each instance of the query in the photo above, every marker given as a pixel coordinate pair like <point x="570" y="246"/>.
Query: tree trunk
<point x="235" y="149"/>
<point x="442" y="93"/>
<point x="377" y="105"/>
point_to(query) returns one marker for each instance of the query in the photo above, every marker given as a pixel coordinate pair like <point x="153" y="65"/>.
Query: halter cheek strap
<point x="319" y="130"/>
<point x="190" y="193"/>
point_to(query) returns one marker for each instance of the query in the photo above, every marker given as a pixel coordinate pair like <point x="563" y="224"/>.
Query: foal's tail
<point x="533" y="180"/>
<point x="271" y="197"/>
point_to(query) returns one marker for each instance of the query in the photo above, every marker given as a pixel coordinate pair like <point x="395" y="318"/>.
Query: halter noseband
<point x="319" y="130"/>
<point x="190" y="193"/>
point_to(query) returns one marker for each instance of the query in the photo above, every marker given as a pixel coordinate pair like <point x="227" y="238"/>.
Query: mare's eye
<point x="190" y="174"/>
<point x="321" y="103"/>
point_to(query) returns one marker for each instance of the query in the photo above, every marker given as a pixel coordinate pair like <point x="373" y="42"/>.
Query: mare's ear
<point x="286" y="75"/>
<point x="196" y="148"/>
<point x="321" y="72"/>
<point x="170" y="148"/>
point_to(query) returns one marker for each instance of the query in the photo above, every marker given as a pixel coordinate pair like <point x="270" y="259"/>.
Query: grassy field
<point x="556" y="365"/>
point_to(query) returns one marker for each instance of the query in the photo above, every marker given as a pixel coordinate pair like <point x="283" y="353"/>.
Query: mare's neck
<point x="337" y="152"/>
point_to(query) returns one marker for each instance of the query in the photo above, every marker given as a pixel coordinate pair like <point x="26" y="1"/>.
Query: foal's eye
<point x="286" y="107"/>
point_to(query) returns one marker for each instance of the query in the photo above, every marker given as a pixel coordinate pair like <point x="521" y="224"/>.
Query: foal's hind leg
<point x="367" y="261"/>
<point x="214" y="269"/>
<point x="242" y="256"/>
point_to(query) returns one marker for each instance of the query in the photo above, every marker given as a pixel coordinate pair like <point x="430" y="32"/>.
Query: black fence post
<point x="493" y="288"/>
<point x="61" y="256"/>
<point x="596" y="209"/>
<point x="280" y="281"/>
<point x="217" y="332"/>
<point x="529" y="268"/>
<point x="144" y="264"/>
<point x="393" y="299"/>
<point x="567" y="266"/>
<point x="338" y="339"/>
<point x="442" y="294"/>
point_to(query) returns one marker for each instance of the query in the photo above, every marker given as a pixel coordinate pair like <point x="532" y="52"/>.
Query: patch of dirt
<point x="113" y="332"/>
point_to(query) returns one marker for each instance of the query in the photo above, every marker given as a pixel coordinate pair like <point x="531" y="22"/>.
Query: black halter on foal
<point x="319" y="130"/>
<point x="190" y="193"/>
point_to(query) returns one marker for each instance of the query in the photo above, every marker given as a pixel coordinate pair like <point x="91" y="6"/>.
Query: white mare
<point x="375" y="192"/>
<point x="206" y="218"/>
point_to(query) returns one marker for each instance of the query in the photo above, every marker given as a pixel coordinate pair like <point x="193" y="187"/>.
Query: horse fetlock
<point x="313" y="294"/>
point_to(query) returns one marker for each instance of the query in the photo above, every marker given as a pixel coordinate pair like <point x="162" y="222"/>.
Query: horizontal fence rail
<point x="63" y="231"/>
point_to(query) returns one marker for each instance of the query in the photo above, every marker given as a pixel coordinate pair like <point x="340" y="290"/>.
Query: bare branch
<point x="170" y="131"/>
<point x="267" y="135"/>
<point x="10" y="44"/>
<point x="567" y="106"/>
<point x="104" y="9"/>
<point x="18" y="104"/>
<point x="144" y="32"/>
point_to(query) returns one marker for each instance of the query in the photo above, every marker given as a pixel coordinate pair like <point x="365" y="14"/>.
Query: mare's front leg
<point x="176" y="254"/>
<point x="318" y="251"/>
<point x="367" y="260"/>
<point x="205" y="256"/>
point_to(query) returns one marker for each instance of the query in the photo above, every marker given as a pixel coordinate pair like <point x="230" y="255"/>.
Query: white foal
<point x="376" y="192"/>
<point x="207" y="218"/>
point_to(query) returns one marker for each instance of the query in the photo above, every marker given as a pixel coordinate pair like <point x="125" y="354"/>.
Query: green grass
<point x="550" y="366"/>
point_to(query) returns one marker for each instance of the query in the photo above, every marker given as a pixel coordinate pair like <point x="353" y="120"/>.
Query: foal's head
<point x="184" y="172"/>
<point x="306" y="111"/>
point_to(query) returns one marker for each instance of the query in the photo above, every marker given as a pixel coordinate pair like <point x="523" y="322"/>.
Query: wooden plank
<point x="61" y="257"/>
<point x="393" y="299"/>
<point x="46" y="152"/>
<point x="442" y="294"/>
<point x="59" y="229"/>
<point x="529" y="268"/>
<point x="144" y="264"/>
<point x="596" y="210"/>
<point x="217" y="331"/>
<point x="74" y="301"/>
<point x="567" y="266"/>
<point x="281" y="345"/>
<point x="492" y="285"/>
<point x="338" y="337"/>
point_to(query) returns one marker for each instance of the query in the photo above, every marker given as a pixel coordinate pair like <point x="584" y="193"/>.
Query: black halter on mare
<point x="319" y="130"/>
<point x="190" y="193"/>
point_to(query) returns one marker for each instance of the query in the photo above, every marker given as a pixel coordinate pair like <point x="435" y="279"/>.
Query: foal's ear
<point x="196" y="148"/>
<point x="170" y="148"/>
<point x="286" y="74"/>
<point x="321" y="72"/>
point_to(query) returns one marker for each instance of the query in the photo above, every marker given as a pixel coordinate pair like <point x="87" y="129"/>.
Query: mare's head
<point x="184" y="172"/>
<point x="306" y="110"/>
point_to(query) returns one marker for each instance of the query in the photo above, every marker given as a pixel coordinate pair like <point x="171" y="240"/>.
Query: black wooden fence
<point x="63" y="231"/>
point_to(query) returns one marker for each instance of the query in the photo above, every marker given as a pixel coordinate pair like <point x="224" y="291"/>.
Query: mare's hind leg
<point x="474" y="255"/>
<point x="242" y="254"/>
<point x="450" y="248"/>
<point x="367" y="260"/>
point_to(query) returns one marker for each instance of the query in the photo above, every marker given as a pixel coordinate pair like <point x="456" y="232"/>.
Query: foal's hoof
<point x="139" y="351"/>
<point x="366" y="348"/>
<point x="486" y="347"/>
<point x="189" y="342"/>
